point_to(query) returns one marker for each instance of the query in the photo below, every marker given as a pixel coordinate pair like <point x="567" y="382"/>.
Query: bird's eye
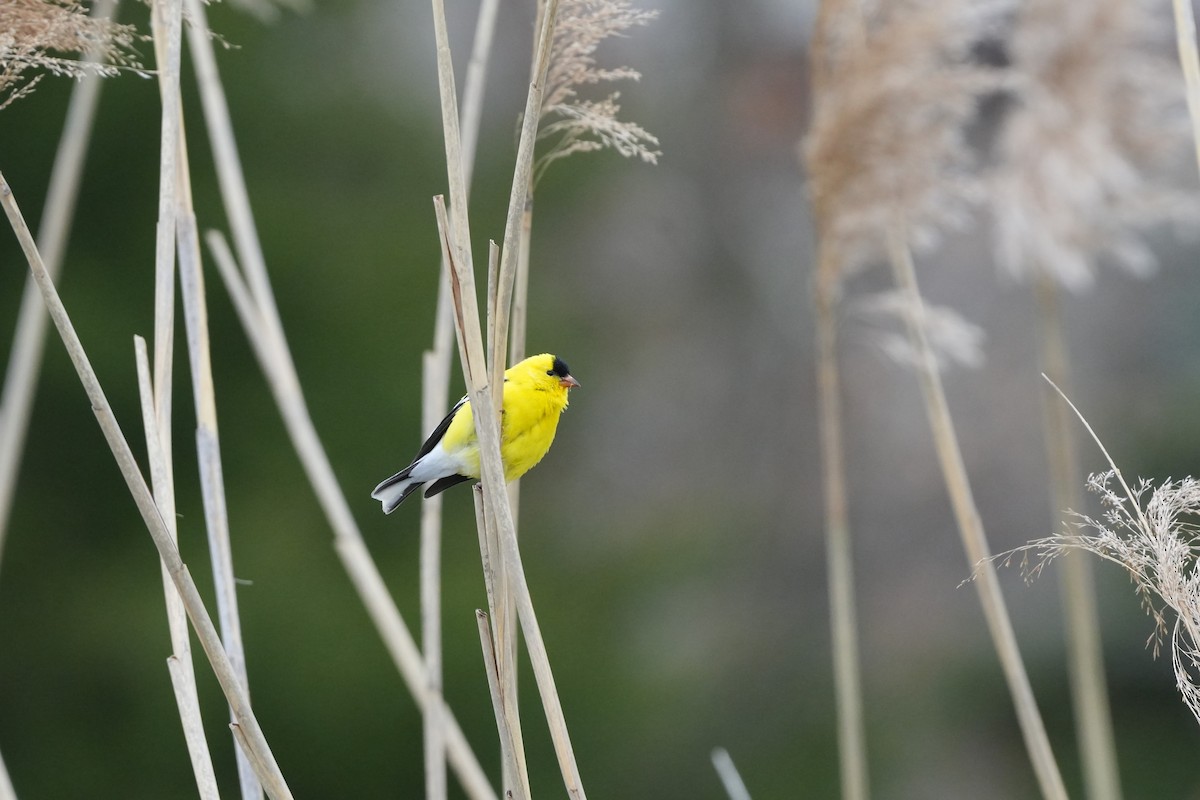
<point x="549" y="372"/>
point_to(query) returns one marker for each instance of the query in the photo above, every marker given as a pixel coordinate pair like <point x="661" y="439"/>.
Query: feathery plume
<point x="954" y="339"/>
<point x="1152" y="532"/>
<point x="32" y="31"/>
<point x="894" y="91"/>
<point x="574" y="125"/>
<point x="1098" y="123"/>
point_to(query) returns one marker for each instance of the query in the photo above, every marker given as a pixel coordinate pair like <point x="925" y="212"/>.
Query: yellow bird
<point x="535" y="394"/>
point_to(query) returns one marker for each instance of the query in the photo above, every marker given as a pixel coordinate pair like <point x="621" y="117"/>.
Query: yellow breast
<point x="528" y="427"/>
<point x="527" y="430"/>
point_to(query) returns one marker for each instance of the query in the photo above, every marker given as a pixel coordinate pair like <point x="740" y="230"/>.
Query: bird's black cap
<point x="560" y="368"/>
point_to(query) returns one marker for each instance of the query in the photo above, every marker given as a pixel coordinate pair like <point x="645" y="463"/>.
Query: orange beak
<point x="568" y="382"/>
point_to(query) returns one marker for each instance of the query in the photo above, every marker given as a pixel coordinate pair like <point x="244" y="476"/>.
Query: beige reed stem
<point x="487" y="429"/>
<point x="852" y="746"/>
<point x="254" y="300"/>
<point x="58" y="212"/>
<point x="970" y="527"/>
<point x="1085" y="652"/>
<point x="206" y="632"/>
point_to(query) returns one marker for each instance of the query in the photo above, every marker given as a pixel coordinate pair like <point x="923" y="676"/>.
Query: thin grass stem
<point x="513" y="764"/>
<point x="259" y="314"/>
<point x="1189" y="62"/>
<point x="435" y="370"/>
<point x="1085" y="652"/>
<point x="1133" y="498"/>
<point x="518" y="194"/>
<point x="518" y="789"/>
<point x="7" y="792"/>
<point x="455" y="239"/>
<point x="514" y="253"/>
<point x="509" y="645"/>
<point x="487" y="431"/>
<point x="435" y="381"/>
<point x="503" y="613"/>
<point x="179" y="664"/>
<point x="364" y="575"/>
<point x="157" y="393"/>
<point x="208" y="443"/>
<point x="970" y="528"/>
<point x="58" y="213"/>
<point x="852" y="746"/>
<point x="270" y="776"/>
<point x="455" y="169"/>
<point x="167" y="24"/>
<point x="727" y="771"/>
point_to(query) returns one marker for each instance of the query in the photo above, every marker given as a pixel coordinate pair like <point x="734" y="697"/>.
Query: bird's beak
<point x="568" y="382"/>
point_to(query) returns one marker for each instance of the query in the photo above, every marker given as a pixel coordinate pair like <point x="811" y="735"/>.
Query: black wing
<point x="439" y="431"/>
<point x="442" y="484"/>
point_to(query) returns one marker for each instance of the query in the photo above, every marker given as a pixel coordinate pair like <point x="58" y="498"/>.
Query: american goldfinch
<point x="535" y="394"/>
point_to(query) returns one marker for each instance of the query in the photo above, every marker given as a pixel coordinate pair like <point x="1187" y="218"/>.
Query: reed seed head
<point x="1089" y="153"/>
<point x="39" y="37"/>
<point x="571" y="124"/>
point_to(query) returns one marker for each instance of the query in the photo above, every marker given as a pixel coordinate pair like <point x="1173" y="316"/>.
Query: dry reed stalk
<point x="456" y="250"/>
<point x="208" y="454"/>
<point x="519" y="192"/>
<point x="515" y="770"/>
<point x="25" y="358"/>
<point x="1189" y="61"/>
<point x="177" y="234"/>
<point x="512" y="742"/>
<point x="487" y="430"/>
<point x="435" y="382"/>
<point x="208" y="446"/>
<point x="435" y="379"/>
<point x="456" y="175"/>
<point x="156" y="392"/>
<point x="179" y="664"/>
<point x="509" y="746"/>
<point x="435" y="370"/>
<point x="7" y="792"/>
<point x="518" y="327"/>
<point x="502" y="605"/>
<point x="277" y="365"/>
<point x="1093" y="717"/>
<point x="255" y="303"/>
<point x="970" y="528"/>
<point x="499" y="311"/>
<point x="889" y="166"/>
<point x="727" y="771"/>
<point x="1088" y="158"/>
<point x="852" y="740"/>
<point x="582" y="126"/>
<point x="268" y="770"/>
<point x="167" y="23"/>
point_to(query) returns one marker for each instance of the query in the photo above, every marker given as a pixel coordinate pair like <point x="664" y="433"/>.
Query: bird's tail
<point x="392" y="491"/>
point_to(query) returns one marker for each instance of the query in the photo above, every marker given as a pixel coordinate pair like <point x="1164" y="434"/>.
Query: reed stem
<point x="1085" y="652"/>
<point x="970" y="527"/>
<point x="852" y="745"/>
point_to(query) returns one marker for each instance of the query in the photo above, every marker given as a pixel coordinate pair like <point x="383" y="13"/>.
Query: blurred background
<point x="673" y="537"/>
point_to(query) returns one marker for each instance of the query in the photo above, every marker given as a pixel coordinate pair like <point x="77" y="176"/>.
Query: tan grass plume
<point x="894" y="89"/>
<point x="572" y="124"/>
<point x="1153" y="533"/>
<point x="38" y="37"/>
<point x="1089" y="154"/>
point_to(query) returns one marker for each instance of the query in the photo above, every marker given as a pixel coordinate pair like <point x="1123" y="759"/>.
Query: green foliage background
<point x="673" y="536"/>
